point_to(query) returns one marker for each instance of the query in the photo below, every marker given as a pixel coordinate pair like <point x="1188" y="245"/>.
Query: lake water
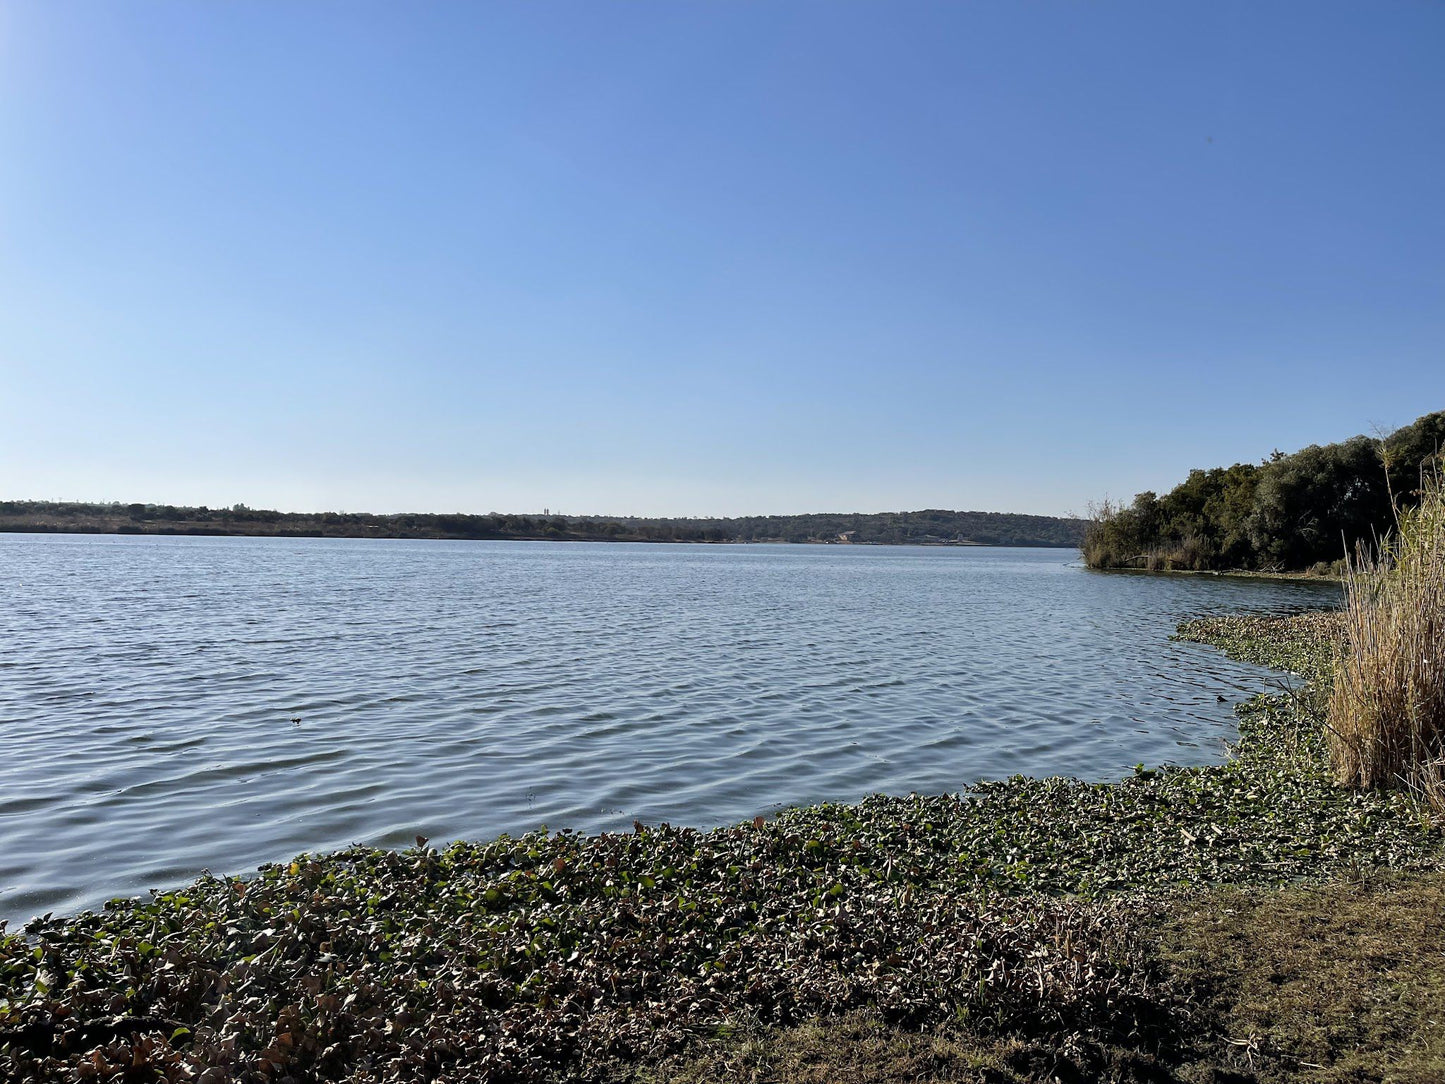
<point x="174" y="704"/>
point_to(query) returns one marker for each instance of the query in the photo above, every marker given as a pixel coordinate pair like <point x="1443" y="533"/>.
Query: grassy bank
<point x="1025" y="929"/>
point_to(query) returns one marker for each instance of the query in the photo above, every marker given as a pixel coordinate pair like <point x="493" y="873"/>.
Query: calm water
<point x="169" y="705"/>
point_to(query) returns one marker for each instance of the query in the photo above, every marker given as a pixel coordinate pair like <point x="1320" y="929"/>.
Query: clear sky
<point x="694" y="258"/>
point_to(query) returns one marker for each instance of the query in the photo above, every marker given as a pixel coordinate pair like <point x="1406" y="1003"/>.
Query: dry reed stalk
<point x="1387" y="706"/>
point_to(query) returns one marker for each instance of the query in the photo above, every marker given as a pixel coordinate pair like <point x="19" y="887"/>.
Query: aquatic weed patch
<point x="534" y="958"/>
<point x="539" y="957"/>
<point x="1303" y="644"/>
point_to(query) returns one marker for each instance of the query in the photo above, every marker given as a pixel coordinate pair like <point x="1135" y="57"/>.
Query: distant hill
<point x="932" y="526"/>
<point x="928" y="527"/>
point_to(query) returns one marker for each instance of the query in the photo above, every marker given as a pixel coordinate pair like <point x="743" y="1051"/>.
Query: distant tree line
<point x="1290" y="513"/>
<point x="931" y="526"/>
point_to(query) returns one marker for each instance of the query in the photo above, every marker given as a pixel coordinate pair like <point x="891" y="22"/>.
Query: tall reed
<point x="1387" y="706"/>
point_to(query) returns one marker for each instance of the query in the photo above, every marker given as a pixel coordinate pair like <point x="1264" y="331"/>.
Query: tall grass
<point x="1387" y="706"/>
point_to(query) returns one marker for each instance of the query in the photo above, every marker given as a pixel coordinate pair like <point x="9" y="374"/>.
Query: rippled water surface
<point x="174" y="704"/>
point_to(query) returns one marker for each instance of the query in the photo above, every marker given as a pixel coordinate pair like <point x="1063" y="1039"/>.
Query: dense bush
<point x="1292" y="512"/>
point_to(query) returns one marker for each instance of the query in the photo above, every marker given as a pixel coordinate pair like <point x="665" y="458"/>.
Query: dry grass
<point x="1387" y="707"/>
<point x="860" y="1048"/>
<point x="1335" y="984"/>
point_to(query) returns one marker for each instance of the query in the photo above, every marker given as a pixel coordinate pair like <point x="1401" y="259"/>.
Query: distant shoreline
<point x="1231" y="573"/>
<point x="929" y="527"/>
<point x="220" y="533"/>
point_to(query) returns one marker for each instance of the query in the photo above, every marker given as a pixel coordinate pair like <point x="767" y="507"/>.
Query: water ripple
<point x="171" y="705"/>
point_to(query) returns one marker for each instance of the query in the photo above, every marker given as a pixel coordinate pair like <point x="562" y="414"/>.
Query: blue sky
<point x="694" y="258"/>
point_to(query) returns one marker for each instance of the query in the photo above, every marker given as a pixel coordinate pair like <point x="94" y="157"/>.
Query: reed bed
<point x="1387" y="706"/>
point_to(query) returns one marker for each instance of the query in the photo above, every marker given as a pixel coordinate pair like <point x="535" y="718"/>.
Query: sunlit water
<point x="174" y="704"/>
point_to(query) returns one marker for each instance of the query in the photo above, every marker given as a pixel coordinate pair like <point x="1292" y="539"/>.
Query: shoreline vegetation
<point x="1164" y="927"/>
<point x="1298" y="513"/>
<point x="926" y="527"/>
<point x="1307" y="576"/>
